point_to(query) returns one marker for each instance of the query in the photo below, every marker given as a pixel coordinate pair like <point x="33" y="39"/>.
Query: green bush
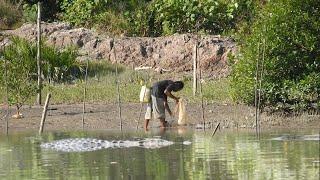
<point x="9" y="15"/>
<point x="21" y="68"/>
<point x="206" y="16"/>
<point x="16" y="72"/>
<point x="291" y="68"/>
<point x="50" y="10"/>
<point x="81" y="12"/>
<point x="112" y="23"/>
<point x="58" y="66"/>
<point x="159" y="17"/>
<point x="30" y="12"/>
<point x="114" y="17"/>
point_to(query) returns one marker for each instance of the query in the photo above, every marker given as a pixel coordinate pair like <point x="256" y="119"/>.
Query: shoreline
<point x="105" y="117"/>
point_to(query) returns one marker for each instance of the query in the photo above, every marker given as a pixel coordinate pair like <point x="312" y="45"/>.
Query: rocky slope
<point x="170" y="53"/>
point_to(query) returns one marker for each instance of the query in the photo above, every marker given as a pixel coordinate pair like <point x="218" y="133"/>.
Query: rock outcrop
<point x="171" y="53"/>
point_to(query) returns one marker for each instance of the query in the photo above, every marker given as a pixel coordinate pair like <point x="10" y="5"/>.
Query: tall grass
<point x="101" y="87"/>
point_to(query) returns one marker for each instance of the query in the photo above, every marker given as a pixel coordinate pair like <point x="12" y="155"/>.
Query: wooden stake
<point x="85" y="93"/>
<point x="195" y="49"/>
<point x="44" y="113"/>
<point x="39" y="53"/>
<point x="7" y="96"/>
<point x="117" y="83"/>
<point x="202" y="113"/>
<point x="260" y="82"/>
<point x="256" y="89"/>
<point x="202" y="106"/>
<point x="119" y="100"/>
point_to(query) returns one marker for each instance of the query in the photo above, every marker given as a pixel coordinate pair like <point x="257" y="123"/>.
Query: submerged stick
<point x="85" y="93"/>
<point x="215" y="130"/>
<point x="44" y="113"/>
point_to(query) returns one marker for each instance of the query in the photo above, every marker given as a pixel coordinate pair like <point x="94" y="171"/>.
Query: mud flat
<point x="105" y="116"/>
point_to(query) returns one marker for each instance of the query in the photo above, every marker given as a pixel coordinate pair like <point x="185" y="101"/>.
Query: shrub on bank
<point x="9" y="15"/>
<point x="159" y="17"/>
<point x="18" y="68"/>
<point x="57" y="65"/>
<point x="16" y="73"/>
<point x="287" y="35"/>
<point x="142" y="17"/>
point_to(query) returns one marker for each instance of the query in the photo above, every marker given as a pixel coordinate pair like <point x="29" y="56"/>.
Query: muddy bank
<point x="105" y="116"/>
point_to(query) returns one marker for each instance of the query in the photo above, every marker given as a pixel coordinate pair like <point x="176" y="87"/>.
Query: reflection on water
<point x="90" y="144"/>
<point x="228" y="155"/>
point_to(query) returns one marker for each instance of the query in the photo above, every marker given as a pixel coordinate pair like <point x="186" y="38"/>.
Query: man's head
<point x="177" y="86"/>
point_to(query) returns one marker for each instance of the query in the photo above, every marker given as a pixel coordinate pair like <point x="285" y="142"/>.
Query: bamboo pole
<point x="195" y="49"/>
<point x="7" y="96"/>
<point x="202" y="106"/>
<point x="44" y="113"/>
<point x="119" y="100"/>
<point x="256" y="89"/>
<point x="260" y="81"/>
<point x="85" y="93"/>
<point x="39" y="53"/>
<point x="117" y="84"/>
<point x="202" y="110"/>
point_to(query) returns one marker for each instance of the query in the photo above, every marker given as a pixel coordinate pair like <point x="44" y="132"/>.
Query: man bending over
<point x="159" y="102"/>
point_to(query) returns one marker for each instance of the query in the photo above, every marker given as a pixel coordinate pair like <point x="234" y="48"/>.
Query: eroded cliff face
<point x="171" y="53"/>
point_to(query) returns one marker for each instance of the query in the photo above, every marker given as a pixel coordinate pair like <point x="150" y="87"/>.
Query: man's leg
<point x="146" y="123"/>
<point x="162" y="123"/>
<point x="147" y="116"/>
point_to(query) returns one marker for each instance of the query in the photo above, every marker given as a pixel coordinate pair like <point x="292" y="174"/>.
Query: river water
<point x="280" y="154"/>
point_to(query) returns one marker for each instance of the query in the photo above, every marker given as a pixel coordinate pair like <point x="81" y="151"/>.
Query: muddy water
<point x="194" y="155"/>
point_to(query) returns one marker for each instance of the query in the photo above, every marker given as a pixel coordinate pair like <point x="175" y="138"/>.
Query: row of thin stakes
<point x="196" y="76"/>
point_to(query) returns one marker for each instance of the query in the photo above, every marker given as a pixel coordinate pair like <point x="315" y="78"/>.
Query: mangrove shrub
<point x="287" y="35"/>
<point x="16" y="74"/>
<point x="19" y="61"/>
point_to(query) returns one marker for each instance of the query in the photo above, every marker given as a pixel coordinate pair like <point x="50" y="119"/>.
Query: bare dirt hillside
<point x="171" y="53"/>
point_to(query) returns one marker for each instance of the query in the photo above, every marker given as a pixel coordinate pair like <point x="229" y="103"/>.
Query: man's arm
<point x="168" y="93"/>
<point x="166" y="106"/>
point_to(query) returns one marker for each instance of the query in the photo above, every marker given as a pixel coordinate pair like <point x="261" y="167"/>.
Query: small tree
<point x="17" y="61"/>
<point x="20" y="60"/>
